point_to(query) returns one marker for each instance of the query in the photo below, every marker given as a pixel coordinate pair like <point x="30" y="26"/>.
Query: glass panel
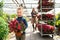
<point x="20" y="1"/>
<point x="8" y="1"/>
<point x="31" y="1"/>
<point x="34" y="5"/>
<point x="57" y="5"/>
<point x="57" y="1"/>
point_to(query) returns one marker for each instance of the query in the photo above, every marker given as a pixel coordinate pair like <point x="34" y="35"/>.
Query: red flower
<point x="15" y="25"/>
<point x="19" y="27"/>
<point x="49" y="16"/>
<point x="45" y="27"/>
<point x="11" y="26"/>
<point x="45" y="3"/>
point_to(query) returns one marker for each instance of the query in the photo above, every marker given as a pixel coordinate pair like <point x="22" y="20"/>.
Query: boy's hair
<point x="19" y="8"/>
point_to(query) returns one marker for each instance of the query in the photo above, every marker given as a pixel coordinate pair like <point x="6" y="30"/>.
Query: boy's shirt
<point x="22" y="19"/>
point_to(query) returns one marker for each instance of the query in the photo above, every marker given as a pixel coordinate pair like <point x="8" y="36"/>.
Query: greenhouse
<point x="29" y="19"/>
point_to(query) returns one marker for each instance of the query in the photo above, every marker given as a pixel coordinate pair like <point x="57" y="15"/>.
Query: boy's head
<point x="20" y="11"/>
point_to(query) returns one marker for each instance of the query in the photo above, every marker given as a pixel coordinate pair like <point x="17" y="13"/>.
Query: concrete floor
<point x="30" y="35"/>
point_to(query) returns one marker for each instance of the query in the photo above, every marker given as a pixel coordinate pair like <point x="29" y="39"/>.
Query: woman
<point x="34" y="15"/>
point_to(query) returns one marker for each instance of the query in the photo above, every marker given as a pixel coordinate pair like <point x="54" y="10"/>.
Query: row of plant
<point x="50" y="18"/>
<point x="46" y="29"/>
<point x="45" y="4"/>
<point x="51" y="21"/>
<point x="46" y="17"/>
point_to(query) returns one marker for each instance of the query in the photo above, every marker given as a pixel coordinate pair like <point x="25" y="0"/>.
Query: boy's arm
<point x="25" y="22"/>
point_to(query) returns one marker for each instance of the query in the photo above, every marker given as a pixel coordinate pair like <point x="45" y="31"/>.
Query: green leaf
<point x="4" y="30"/>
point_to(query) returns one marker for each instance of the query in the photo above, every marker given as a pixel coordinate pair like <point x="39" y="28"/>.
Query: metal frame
<point x="41" y="32"/>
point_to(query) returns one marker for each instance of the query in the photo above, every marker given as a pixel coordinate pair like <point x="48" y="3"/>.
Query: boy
<point x="20" y="18"/>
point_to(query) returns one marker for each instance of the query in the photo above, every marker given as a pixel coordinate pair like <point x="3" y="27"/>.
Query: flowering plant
<point x="45" y="28"/>
<point x="47" y="16"/>
<point x="50" y="16"/>
<point x="17" y="27"/>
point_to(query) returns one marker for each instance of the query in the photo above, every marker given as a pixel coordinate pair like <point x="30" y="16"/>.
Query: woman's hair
<point x="33" y="9"/>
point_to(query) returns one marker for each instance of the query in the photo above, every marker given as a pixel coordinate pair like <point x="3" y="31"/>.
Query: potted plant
<point x="17" y="27"/>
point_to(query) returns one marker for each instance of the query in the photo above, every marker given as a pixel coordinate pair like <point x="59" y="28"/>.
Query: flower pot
<point x="18" y="34"/>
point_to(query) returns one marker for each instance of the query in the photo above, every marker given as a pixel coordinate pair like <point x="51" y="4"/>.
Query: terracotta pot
<point x="18" y="34"/>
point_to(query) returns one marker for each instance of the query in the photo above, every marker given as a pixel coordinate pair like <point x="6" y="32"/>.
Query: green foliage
<point x="1" y="10"/>
<point x="58" y="16"/>
<point x="1" y="13"/>
<point x="4" y="30"/>
<point x="57" y="23"/>
<point x="5" y="16"/>
<point x="13" y="16"/>
<point x="50" y="22"/>
<point x="1" y="4"/>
